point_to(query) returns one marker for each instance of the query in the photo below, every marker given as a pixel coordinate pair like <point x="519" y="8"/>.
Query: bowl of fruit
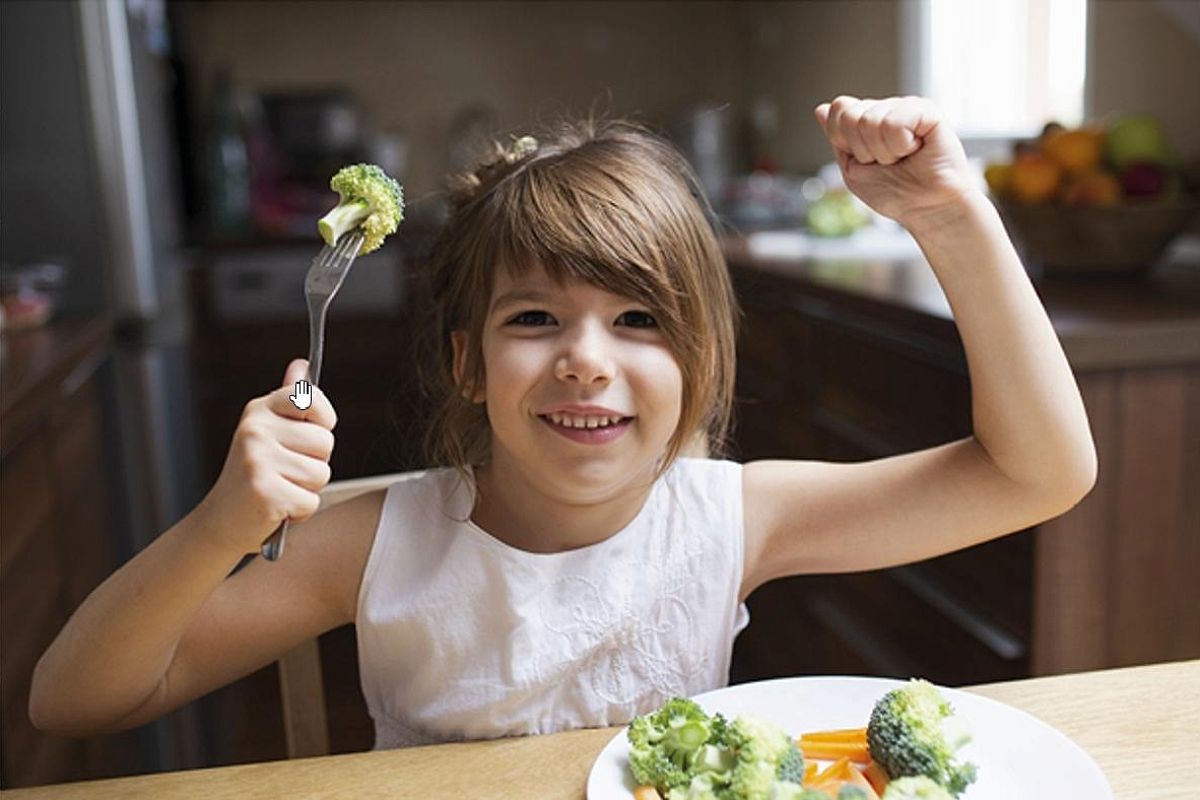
<point x="1094" y="199"/>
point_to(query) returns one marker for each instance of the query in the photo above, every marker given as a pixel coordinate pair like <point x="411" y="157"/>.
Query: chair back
<point x="301" y="688"/>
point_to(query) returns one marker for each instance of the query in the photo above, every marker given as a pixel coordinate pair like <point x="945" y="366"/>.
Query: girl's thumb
<point x="297" y="370"/>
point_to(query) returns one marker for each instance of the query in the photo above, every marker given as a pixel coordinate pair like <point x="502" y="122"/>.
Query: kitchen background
<point x="162" y="168"/>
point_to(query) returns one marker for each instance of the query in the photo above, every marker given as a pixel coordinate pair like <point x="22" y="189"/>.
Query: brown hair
<point x="607" y="202"/>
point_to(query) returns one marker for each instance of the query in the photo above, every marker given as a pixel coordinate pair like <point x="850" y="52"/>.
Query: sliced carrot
<point x="854" y="751"/>
<point x="877" y="777"/>
<point x="810" y="772"/>
<point x="837" y="771"/>
<point x="646" y="793"/>
<point x="858" y="779"/>
<point x="840" y="735"/>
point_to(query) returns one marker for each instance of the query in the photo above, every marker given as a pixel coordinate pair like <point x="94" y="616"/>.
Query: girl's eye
<point x="531" y="318"/>
<point x="640" y="319"/>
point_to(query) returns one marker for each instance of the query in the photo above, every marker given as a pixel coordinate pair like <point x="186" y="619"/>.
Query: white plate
<point x="1017" y="755"/>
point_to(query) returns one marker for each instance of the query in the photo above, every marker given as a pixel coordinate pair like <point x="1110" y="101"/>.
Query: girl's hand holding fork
<point x="277" y="465"/>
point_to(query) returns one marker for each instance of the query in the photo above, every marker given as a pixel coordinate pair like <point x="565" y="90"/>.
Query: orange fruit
<point x="1091" y="188"/>
<point x="1075" y="151"/>
<point x="1034" y="178"/>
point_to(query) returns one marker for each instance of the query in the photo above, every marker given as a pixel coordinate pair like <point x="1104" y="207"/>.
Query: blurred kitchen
<point x="164" y="164"/>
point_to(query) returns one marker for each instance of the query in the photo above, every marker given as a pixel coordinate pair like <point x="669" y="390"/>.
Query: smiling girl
<point x="581" y="549"/>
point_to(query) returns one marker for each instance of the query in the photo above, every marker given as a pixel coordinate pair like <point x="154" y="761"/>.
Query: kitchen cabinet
<point x="856" y="360"/>
<point x="56" y="540"/>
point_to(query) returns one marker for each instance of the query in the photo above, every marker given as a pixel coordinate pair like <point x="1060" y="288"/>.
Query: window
<point x="998" y="69"/>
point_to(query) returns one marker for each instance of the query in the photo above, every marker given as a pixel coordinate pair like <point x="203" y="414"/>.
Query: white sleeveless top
<point x="461" y="636"/>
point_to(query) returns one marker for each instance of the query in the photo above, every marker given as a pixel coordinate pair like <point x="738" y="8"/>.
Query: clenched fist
<point x="276" y="467"/>
<point x="897" y="155"/>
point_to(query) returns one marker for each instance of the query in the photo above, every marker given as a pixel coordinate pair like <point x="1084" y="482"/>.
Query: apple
<point x="1137" y="137"/>
<point x="1144" y="180"/>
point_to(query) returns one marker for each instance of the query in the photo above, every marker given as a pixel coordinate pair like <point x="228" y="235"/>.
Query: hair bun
<point x="465" y="186"/>
<point x="526" y="145"/>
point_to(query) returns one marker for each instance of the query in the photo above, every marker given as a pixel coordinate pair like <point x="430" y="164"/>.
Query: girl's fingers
<point x="311" y="474"/>
<point x="304" y="437"/>
<point x="876" y="131"/>
<point x="296" y="502"/>
<point x="898" y="135"/>
<point x="297" y="370"/>
<point x="320" y="412"/>
<point x="874" y="135"/>
<point x="844" y="128"/>
<point x="822" y="114"/>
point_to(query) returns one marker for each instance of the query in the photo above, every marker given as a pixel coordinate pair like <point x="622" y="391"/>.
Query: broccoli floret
<point x="688" y="755"/>
<point x="370" y="200"/>
<point x="665" y="745"/>
<point x="791" y="791"/>
<point x="852" y="793"/>
<point x="791" y="766"/>
<point x="759" y="746"/>
<point x="919" y="787"/>
<point x="908" y="735"/>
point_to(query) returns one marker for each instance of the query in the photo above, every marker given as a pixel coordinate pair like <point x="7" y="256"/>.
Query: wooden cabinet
<point x="56" y="542"/>
<point x="854" y="363"/>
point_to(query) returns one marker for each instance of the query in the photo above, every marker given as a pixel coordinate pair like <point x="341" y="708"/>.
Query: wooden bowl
<point x="1126" y="238"/>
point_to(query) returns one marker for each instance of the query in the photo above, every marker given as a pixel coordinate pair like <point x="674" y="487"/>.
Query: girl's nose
<point x="587" y="358"/>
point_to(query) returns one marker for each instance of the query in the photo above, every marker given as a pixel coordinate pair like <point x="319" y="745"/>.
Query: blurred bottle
<point x="228" y="162"/>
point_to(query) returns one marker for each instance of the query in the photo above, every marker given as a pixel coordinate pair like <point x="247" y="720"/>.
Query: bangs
<point x="583" y="224"/>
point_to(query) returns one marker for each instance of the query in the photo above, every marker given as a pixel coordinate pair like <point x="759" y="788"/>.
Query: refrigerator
<point x="91" y="174"/>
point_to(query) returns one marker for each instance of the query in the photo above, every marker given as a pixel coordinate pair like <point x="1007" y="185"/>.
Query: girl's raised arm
<point x="169" y="626"/>
<point x="1031" y="456"/>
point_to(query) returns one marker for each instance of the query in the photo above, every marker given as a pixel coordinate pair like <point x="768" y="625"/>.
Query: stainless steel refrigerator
<point x="91" y="181"/>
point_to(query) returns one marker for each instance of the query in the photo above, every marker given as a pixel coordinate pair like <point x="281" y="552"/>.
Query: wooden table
<point x="1140" y="724"/>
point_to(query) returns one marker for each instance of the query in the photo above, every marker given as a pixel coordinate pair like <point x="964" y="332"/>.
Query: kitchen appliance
<point x="705" y="135"/>
<point x="89" y="151"/>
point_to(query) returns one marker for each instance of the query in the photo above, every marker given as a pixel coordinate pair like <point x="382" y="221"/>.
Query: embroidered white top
<point x="461" y="636"/>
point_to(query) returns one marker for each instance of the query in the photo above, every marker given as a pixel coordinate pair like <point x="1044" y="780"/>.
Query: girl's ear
<point x="459" y="341"/>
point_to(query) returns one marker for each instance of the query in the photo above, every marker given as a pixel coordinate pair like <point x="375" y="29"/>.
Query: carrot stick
<point x="834" y="772"/>
<point x="646" y="793"/>
<point x="810" y="772"/>
<point x="854" y="751"/>
<point x="856" y="778"/>
<point x="840" y="735"/>
<point x="877" y="777"/>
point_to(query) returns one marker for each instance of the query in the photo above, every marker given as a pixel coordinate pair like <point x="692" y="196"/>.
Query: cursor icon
<point x="302" y="399"/>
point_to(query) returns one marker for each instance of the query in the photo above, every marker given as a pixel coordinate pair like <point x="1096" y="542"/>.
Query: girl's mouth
<point x="597" y="435"/>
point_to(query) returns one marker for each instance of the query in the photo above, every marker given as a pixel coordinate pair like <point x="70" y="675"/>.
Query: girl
<point x="570" y="564"/>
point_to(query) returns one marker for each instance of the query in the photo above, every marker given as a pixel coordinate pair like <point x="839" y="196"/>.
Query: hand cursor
<point x="302" y="399"/>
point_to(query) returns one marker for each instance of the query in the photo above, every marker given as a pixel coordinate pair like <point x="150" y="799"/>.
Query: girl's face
<point x="546" y="349"/>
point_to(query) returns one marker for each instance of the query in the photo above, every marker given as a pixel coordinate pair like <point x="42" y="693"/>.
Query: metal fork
<point x="325" y="276"/>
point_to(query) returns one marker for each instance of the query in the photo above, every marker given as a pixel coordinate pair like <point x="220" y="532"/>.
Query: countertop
<point x="49" y="359"/>
<point x="1103" y="322"/>
<point x="1137" y="723"/>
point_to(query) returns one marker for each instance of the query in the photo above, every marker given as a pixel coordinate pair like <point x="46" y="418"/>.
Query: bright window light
<point x="998" y="68"/>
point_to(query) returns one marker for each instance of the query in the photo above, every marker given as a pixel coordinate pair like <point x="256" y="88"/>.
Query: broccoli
<point x="688" y="755"/>
<point x="918" y="787"/>
<point x="790" y="791"/>
<point x="370" y="200"/>
<point x="666" y="744"/>
<point x="908" y="735"/>
<point x="791" y="766"/>
<point x="763" y="751"/>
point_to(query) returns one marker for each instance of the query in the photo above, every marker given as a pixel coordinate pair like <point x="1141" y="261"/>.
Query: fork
<point x="325" y="276"/>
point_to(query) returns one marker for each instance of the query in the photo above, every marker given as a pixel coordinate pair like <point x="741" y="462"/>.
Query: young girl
<point x="570" y="564"/>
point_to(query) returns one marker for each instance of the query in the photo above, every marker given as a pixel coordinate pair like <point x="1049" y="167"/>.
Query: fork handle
<point x="272" y="548"/>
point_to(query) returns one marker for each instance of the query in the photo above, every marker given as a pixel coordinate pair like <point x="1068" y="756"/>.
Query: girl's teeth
<point x="587" y="422"/>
